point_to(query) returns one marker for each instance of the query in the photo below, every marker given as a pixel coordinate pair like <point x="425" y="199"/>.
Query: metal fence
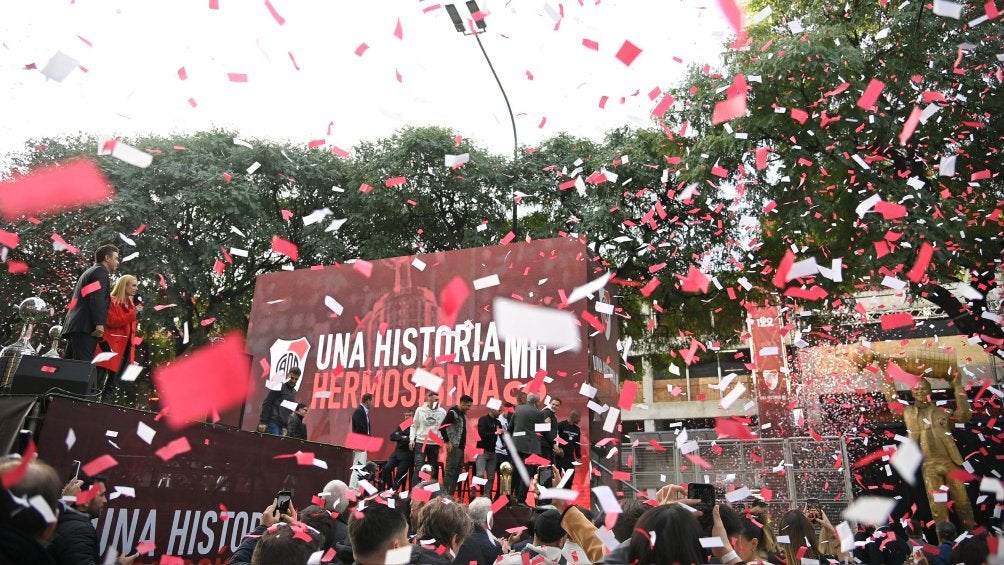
<point x="787" y="471"/>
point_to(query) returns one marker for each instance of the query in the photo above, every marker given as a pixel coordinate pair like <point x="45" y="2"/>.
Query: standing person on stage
<point x="84" y="324"/>
<point x="361" y="426"/>
<point x="455" y="424"/>
<point x="524" y="436"/>
<point x="548" y="448"/>
<point x="570" y="433"/>
<point x="402" y="458"/>
<point x="294" y="425"/>
<point x="274" y="416"/>
<point x="424" y="434"/>
<point x="501" y="450"/>
<point x="489" y="430"/>
<point x="120" y="333"/>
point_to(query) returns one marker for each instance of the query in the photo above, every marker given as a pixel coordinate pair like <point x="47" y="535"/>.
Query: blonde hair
<point x="119" y="290"/>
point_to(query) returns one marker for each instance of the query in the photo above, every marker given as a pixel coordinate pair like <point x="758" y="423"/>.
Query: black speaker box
<point x="38" y="375"/>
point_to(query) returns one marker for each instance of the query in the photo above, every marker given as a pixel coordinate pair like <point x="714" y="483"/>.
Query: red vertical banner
<point x="769" y="375"/>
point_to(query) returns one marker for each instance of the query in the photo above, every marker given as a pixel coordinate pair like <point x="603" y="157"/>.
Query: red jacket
<point x="119" y="333"/>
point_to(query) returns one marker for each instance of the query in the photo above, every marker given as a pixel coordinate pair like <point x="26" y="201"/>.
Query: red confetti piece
<point x="898" y="374"/>
<point x="781" y="276"/>
<point x="398" y="32"/>
<point x="871" y="94"/>
<point x="16" y="267"/>
<point x="216" y="377"/>
<point x="507" y="239"/>
<point x="628" y="53"/>
<point x="14" y="476"/>
<point x="182" y="74"/>
<point x="910" y="125"/>
<point x="361" y="49"/>
<point x="237" y="77"/>
<point x="340" y="152"/>
<point x="9" y="239"/>
<point x="799" y="115"/>
<point x="315" y="143"/>
<point x="396" y="181"/>
<point x="271" y="9"/>
<point x="695" y="281"/>
<point x="590" y="44"/>
<point x="535" y="459"/>
<point x="99" y="465"/>
<point x="284" y="247"/>
<point x="293" y="59"/>
<point x="628" y="391"/>
<point x="54" y="188"/>
<point x="192" y="102"/>
<point x="897" y="320"/>
<point x="364" y="268"/>
<point x="500" y="503"/>
<point x="363" y="442"/>
<point x="214" y="4"/>
<point x="663" y="106"/>
<point x="452" y="298"/>
<point x="734" y="15"/>
<point x="729" y="109"/>
<point x="916" y="273"/>
<point x="173" y="448"/>
<point x="364" y="188"/>
<point x="93" y="287"/>
<point x="649" y="287"/>
<point x="227" y="177"/>
<point x="729" y="428"/>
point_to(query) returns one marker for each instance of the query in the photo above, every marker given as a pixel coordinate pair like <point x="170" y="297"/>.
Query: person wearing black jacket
<point x="294" y="426"/>
<point x="455" y="426"/>
<point x="489" y="428"/>
<point x="360" y="425"/>
<point x="569" y="432"/>
<point x="25" y="529"/>
<point x="402" y="459"/>
<point x="84" y="324"/>
<point x="76" y="540"/>
<point x="274" y="417"/>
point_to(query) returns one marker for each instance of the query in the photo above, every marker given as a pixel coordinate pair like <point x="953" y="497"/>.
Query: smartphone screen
<point x="282" y="506"/>
<point x="812" y="509"/>
<point x="75" y="472"/>
<point x="706" y="494"/>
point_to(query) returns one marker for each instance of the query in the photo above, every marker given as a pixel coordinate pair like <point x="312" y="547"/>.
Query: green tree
<point x="807" y="152"/>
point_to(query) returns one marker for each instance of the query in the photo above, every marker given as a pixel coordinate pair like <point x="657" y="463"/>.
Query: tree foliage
<point x="809" y="150"/>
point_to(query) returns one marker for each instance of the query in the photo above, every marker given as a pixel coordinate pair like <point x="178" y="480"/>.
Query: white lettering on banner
<point x="192" y="532"/>
<point x="408" y="347"/>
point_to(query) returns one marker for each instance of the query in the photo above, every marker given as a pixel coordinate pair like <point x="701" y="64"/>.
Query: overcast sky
<point x="133" y="52"/>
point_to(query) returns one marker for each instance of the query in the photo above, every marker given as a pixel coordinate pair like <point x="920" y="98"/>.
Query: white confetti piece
<point x="71" y="439"/>
<point x="333" y="305"/>
<point x="145" y="432"/>
<point x="132" y="372"/>
<point x="542" y="325"/>
<point x="608" y="501"/>
<point x="588" y="289"/>
<point x="907" y="459"/>
<point x="426" y="380"/>
<point x="486" y="282"/>
<point x="871" y="510"/>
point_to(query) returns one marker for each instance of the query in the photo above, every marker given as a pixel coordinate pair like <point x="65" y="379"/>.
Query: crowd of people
<point x="47" y="522"/>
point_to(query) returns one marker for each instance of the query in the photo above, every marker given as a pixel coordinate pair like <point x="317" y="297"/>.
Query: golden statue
<point x="928" y="425"/>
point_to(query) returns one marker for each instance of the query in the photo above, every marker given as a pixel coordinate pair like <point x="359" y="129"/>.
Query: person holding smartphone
<point x="424" y="436"/>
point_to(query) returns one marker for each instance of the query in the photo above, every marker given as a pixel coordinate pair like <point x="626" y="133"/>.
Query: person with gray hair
<point x="481" y="546"/>
<point x="336" y="501"/>
<point x="526" y="439"/>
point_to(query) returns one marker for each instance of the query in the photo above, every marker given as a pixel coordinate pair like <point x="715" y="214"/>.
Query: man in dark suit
<point x="84" y="324"/>
<point x="525" y="438"/>
<point x="360" y="425"/>
<point x="570" y="433"/>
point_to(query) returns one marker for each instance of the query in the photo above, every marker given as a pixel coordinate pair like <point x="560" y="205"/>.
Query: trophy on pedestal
<point x="31" y="310"/>
<point x="55" y="334"/>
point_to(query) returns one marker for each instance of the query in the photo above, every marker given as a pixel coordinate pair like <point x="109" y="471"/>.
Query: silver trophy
<point x="55" y="334"/>
<point x="31" y="310"/>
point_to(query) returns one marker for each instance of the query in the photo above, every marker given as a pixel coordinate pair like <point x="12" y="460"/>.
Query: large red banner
<point x="770" y="374"/>
<point x="367" y="327"/>
<point x="197" y="504"/>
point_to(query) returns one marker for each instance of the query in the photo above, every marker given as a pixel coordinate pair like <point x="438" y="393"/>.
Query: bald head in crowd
<point x="336" y="496"/>
<point x="41" y="488"/>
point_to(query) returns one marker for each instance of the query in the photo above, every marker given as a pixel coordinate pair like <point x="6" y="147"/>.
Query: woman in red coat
<point x="119" y="333"/>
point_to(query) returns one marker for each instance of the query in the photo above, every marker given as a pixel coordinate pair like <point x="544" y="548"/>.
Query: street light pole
<point x="480" y="26"/>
